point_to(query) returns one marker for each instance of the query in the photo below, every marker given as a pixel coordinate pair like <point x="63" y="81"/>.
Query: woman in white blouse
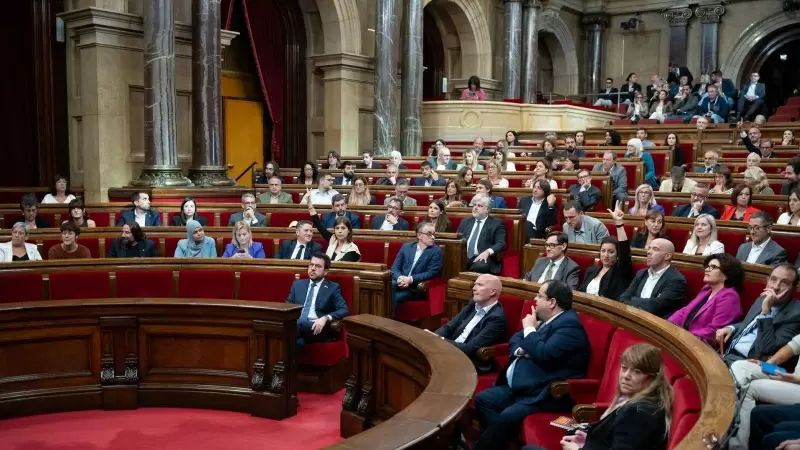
<point x="495" y="174"/>
<point x="543" y="170"/>
<point x="61" y="193"/>
<point x="792" y="217"/>
<point x="703" y="240"/>
<point x="17" y="249"/>
<point x="501" y="157"/>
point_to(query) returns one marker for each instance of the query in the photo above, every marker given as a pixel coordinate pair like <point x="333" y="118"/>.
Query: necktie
<point x="548" y="275"/>
<point x="300" y="252"/>
<point x="309" y="299"/>
<point x="472" y="250"/>
<point x="709" y="169"/>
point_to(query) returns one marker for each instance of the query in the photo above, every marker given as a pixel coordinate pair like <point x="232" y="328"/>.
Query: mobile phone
<point x="772" y="369"/>
<point x="241" y="250"/>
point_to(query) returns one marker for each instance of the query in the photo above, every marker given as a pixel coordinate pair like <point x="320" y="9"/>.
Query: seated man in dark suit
<point x="698" y="206"/>
<point x="322" y="302"/>
<point x="392" y="220"/>
<point x="339" y="203"/>
<point x="482" y="322"/>
<point x="761" y="249"/>
<point x="141" y="212"/>
<point x="773" y="320"/>
<point x="415" y="262"/>
<point x="348" y="174"/>
<point x="29" y="206"/>
<point x="369" y="162"/>
<point x="552" y="346"/>
<point x="249" y="213"/>
<point x="583" y="192"/>
<point x="485" y="236"/>
<point x="132" y="243"/>
<point x="710" y="162"/>
<point x="429" y="177"/>
<point x="751" y="96"/>
<point x="539" y="210"/>
<point x="302" y="247"/>
<point x="557" y="265"/>
<point x="660" y="289"/>
<point x="775" y="426"/>
<point x="391" y="176"/>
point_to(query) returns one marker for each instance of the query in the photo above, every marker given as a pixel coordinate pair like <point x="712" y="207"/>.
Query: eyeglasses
<point x="551" y="245"/>
<point x="712" y="267"/>
<point x="430" y="234"/>
<point x="755" y="228"/>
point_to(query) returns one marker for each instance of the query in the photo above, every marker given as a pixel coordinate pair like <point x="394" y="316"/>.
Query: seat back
<point x="21" y="287"/>
<point x="373" y="251"/>
<point x="685" y="409"/>
<point x="79" y="285"/>
<point x="207" y="284"/>
<point x="599" y="332"/>
<point x="621" y="340"/>
<point x="144" y="283"/>
<point x="284" y="218"/>
<point x="267" y="286"/>
<point x="513" y="307"/>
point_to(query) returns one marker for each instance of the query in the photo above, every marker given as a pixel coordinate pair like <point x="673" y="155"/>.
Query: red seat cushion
<point x="101" y="219"/>
<point x="536" y="429"/>
<point x="373" y="252"/>
<point x="144" y="283"/>
<point x="224" y="218"/>
<point x="170" y="244"/>
<point x="694" y="281"/>
<point x="621" y="340"/>
<point x="21" y="287"/>
<point x="599" y="332"/>
<point x="513" y="307"/>
<point x="79" y="285"/>
<point x="46" y="245"/>
<point x="731" y="239"/>
<point x="265" y="286"/>
<point x="284" y="218"/>
<point x="417" y="310"/>
<point x="93" y="244"/>
<point x="673" y="370"/>
<point x="681" y="427"/>
<point x="210" y="284"/>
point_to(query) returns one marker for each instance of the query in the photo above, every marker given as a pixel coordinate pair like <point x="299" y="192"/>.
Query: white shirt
<point x="440" y="167"/>
<point x="594" y="286"/>
<point x="534" y="211"/>
<point x="712" y="248"/>
<point x="476" y="228"/>
<point x="476" y="319"/>
<point x="49" y="198"/>
<point x="751" y="91"/>
<point x="556" y="265"/>
<point x="785" y="219"/>
<point x="296" y="253"/>
<point x="652" y="280"/>
<point x="417" y="254"/>
<point x="139" y="219"/>
<point x="519" y="351"/>
<point x="312" y="311"/>
<point x="322" y="198"/>
<point x="755" y="251"/>
<point x="386" y="226"/>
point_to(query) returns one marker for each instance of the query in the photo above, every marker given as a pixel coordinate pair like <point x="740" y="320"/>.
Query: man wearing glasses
<point x="608" y="96"/>
<point x="583" y="192"/>
<point x="557" y="265"/>
<point x="485" y="236"/>
<point x="698" y="204"/>
<point x="761" y="249"/>
<point x="249" y="213"/>
<point x="392" y="220"/>
<point x="416" y="262"/>
<point x="275" y="194"/>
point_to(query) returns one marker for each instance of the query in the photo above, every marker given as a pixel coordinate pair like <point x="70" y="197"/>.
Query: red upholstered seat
<point x="101" y="219"/>
<point x="330" y="353"/>
<point x="685" y="409"/>
<point x="373" y="252"/>
<point x="284" y="218"/>
<point x="678" y="237"/>
<point x="144" y="283"/>
<point x="781" y="118"/>
<point x="421" y="198"/>
<point x="511" y="256"/>
<point x="21" y="287"/>
<point x="694" y="281"/>
<point x="210" y="284"/>
<point x="618" y="122"/>
<point x="224" y="217"/>
<point x="681" y="427"/>
<point x="417" y="310"/>
<point x="456" y="221"/>
<point x="170" y="244"/>
<point x="269" y="249"/>
<point x="731" y="239"/>
<point x="607" y="388"/>
<point x="673" y="370"/>
<point x="265" y="286"/>
<point x="673" y="121"/>
<point x="648" y="122"/>
<point x="536" y="429"/>
<point x="93" y="244"/>
<point x="79" y="285"/>
<point x="751" y="291"/>
<point x="788" y="110"/>
<point x="46" y="244"/>
<point x="790" y="241"/>
<point x="795" y="100"/>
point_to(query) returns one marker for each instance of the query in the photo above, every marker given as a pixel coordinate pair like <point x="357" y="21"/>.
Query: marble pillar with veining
<point x="710" y="17"/>
<point x="411" y="97"/>
<point x="160" y="154"/>
<point x="595" y="25"/>
<point x="678" y="19"/>
<point x="208" y="160"/>
<point x="511" y="58"/>
<point x="530" y="51"/>
<point x="383" y="114"/>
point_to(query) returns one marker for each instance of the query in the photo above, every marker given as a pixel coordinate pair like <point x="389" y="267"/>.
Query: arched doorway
<point x="777" y="60"/>
<point x="433" y="58"/>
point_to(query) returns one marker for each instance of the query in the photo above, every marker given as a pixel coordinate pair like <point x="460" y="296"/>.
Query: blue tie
<point x="309" y="299"/>
<point x="473" y="240"/>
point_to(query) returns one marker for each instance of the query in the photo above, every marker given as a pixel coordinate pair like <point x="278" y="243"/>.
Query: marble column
<point x="530" y="50"/>
<point x="208" y="161"/>
<point x="383" y="114"/>
<point x="710" y="16"/>
<point x="411" y="100"/>
<point x="160" y="154"/>
<point x="595" y="25"/>
<point x="511" y="59"/>
<point x="678" y="19"/>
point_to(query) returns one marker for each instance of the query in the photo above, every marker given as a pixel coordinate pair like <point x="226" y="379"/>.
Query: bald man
<point x="660" y="289"/>
<point x="482" y="323"/>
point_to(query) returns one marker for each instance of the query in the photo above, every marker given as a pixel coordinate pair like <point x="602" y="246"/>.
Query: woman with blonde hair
<point x="242" y="245"/>
<point x="703" y="240"/>
<point x="495" y="174"/>
<point x="645" y="200"/>
<point x="470" y="159"/>
<point x="359" y="195"/>
<point x="756" y="178"/>
<point x="636" y="150"/>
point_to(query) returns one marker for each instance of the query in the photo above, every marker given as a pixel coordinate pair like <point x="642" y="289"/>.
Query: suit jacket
<point x="6" y="253"/>
<point x="329" y="219"/>
<point x="283" y="197"/>
<point x="451" y="165"/>
<point x="151" y="218"/>
<point x="329" y="298"/>
<point x="177" y="222"/>
<point x="143" y="249"/>
<point x="619" y="178"/>
<point x="632" y="426"/>
<point x="611" y="95"/>
<point x="547" y="218"/>
<point x="558" y="351"/>
<point x="593" y="230"/>
<point x="420" y="181"/>
<point x="491" y="330"/>
<point x="627" y="94"/>
<point x="684" y="210"/>
<point x="428" y="266"/>
<point x="688" y="185"/>
<point x="673" y="77"/>
<point x="773" y="332"/>
<point x="385" y="182"/>
<point x="772" y="254"/>
<point x="761" y="90"/>
<point x="261" y="220"/>
<point x="702" y="169"/>
<point x="340" y="180"/>
<point x="669" y="293"/>
<point x="720" y="107"/>
<point x="719" y="312"/>
<point x="588" y="198"/>
<point x="377" y="223"/>
<point x="375" y="165"/>
<point x="687" y="105"/>
<point x="568" y="271"/>
<point x="493" y="235"/>
<point x="286" y="249"/>
<point x="617" y="279"/>
<point x="498" y="202"/>
<point x="666" y="109"/>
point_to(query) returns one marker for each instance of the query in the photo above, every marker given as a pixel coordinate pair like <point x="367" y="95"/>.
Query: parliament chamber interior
<point x="400" y="224"/>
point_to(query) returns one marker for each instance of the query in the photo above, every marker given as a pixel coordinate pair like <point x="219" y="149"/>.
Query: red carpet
<point x="315" y="425"/>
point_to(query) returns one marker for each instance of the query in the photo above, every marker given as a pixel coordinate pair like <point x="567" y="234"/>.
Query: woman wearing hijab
<point x="196" y="244"/>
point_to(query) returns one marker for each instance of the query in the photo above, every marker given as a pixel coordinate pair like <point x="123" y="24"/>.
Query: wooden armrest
<point x="559" y="389"/>
<point x="485" y="353"/>
<point x="585" y="413"/>
<point x="422" y="286"/>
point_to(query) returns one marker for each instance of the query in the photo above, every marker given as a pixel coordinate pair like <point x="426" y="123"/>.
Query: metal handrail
<point x="246" y="170"/>
<point x="581" y="97"/>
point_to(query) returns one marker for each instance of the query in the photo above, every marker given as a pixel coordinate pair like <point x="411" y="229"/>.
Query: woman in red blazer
<point x="717" y="305"/>
<point x="740" y="208"/>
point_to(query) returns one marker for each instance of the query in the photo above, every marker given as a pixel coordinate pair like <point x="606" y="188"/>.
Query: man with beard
<point x="340" y="210"/>
<point x="132" y="243"/>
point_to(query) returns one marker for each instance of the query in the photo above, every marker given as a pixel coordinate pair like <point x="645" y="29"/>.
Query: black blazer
<point x="625" y="94"/>
<point x="177" y="221"/>
<point x="547" y="218"/>
<point x="684" y="210"/>
<point x="493" y="235"/>
<point x="588" y="198"/>
<point x="146" y="249"/>
<point x="151" y="218"/>
<point x="351" y="256"/>
<point x="489" y="331"/>
<point x="612" y="95"/>
<point x="669" y="293"/>
<point x="614" y="282"/>
<point x="286" y="249"/>
<point x="632" y="426"/>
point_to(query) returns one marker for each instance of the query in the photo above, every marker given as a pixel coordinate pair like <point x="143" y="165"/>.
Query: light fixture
<point x="783" y="57"/>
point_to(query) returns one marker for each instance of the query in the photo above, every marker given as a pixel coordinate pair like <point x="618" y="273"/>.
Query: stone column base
<point x="161" y="177"/>
<point x="210" y="176"/>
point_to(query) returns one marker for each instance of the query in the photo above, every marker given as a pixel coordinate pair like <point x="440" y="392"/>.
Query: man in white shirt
<point x="401" y="193"/>
<point x="660" y="289"/>
<point x="415" y="262"/>
<point x="761" y="249"/>
<point x="324" y="193"/>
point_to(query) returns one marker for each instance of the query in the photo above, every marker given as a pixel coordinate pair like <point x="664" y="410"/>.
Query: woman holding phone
<point x="242" y="245"/>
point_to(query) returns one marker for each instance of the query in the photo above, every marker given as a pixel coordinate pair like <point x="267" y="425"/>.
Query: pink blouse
<point x="466" y="94"/>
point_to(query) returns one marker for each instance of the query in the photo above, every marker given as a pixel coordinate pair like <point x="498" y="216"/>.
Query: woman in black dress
<point x="340" y="243"/>
<point x="615" y="272"/>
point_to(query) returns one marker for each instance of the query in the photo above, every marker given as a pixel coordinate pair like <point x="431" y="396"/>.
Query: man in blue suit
<point x="713" y="107"/>
<point x="302" y="247"/>
<point x="339" y="203"/>
<point x="416" y="262"/>
<point x="698" y="197"/>
<point x="552" y="346"/>
<point x="392" y="220"/>
<point x="322" y="302"/>
<point x="348" y="173"/>
<point x="429" y="177"/>
<point x="140" y="213"/>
